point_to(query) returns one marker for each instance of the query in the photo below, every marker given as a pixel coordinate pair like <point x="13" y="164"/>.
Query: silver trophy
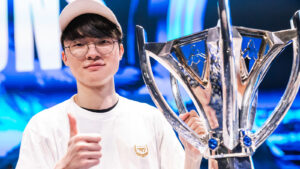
<point x="214" y="70"/>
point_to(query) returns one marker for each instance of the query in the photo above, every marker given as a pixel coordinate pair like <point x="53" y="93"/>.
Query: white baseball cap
<point x="79" y="7"/>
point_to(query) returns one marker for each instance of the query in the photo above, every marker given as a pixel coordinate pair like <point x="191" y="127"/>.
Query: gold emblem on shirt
<point x="141" y="150"/>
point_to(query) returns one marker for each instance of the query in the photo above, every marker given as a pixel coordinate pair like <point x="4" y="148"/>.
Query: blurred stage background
<point x="32" y="76"/>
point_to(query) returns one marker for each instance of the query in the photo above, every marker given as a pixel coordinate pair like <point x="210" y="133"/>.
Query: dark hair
<point x="90" y="25"/>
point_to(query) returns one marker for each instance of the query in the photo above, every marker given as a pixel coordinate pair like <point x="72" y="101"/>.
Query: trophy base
<point x="231" y="163"/>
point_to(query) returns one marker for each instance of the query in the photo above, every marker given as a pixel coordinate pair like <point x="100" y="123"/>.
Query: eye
<point x="77" y="44"/>
<point x="104" y="42"/>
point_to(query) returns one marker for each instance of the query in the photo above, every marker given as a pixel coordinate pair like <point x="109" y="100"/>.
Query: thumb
<point x="73" y="125"/>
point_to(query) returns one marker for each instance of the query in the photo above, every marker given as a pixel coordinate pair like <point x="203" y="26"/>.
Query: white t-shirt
<point x="134" y="136"/>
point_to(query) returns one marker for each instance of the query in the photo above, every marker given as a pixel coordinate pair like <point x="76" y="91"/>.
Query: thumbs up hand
<point x="84" y="150"/>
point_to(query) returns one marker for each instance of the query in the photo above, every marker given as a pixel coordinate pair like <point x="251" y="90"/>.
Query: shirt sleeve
<point x="35" y="151"/>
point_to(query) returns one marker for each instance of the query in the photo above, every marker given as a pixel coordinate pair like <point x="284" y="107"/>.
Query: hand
<point x="84" y="151"/>
<point x="195" y="123"/>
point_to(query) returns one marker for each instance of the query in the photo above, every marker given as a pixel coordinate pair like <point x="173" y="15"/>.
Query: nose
<point x="92" y="52"/>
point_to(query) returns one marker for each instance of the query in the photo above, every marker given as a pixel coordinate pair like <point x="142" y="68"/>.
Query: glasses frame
<point x="87" y="45"/>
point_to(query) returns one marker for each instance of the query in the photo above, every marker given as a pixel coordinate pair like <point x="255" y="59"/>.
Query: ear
<point x="121" y="51"/>
<point x="64" y="58"/>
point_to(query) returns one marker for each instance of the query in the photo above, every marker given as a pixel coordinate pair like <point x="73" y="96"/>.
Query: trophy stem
<point x="229" y="67"/>
<point x="231" y="163"/>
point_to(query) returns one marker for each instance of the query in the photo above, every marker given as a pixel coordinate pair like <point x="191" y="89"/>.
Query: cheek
<point x="74" y="66"/>
<point x="116" y="61"/>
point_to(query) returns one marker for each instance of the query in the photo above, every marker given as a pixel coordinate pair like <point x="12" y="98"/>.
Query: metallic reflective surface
<point x="214" y="69"/>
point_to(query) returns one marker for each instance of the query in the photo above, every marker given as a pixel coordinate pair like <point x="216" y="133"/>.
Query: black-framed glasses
<point x="103" y="46"/>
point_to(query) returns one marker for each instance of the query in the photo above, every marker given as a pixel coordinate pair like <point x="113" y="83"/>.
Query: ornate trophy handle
<point x="290" y="93"/>
<point x="186" y="132"/>
<point x="175" y="90"/>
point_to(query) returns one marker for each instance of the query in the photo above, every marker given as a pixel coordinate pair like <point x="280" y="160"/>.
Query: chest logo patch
<point x="141" y="150"/>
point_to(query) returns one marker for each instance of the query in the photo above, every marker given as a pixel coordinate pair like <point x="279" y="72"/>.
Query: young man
<point x="96" y="127"/>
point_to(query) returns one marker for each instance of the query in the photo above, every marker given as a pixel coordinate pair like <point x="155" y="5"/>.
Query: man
<point x="97" y="127"/>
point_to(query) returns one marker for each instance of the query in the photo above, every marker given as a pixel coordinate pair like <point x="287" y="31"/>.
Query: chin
<point x="97" y="81"/>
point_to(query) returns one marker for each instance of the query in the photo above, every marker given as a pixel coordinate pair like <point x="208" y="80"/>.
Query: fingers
<point x="193" y="113"/>
<point x="73" y="125"/>
<point x="92" y="138"/>
<point x="85" y="142"/>
<point x="84" y="150"/>
<point x="88" y="163"/>
<point x="194" y="122"/>
<point x="90" y="155"/>
<point x="85" y="146"/>
<point x="191" y="121"/>
<point x="184" y="116"/>
<point x="200" y="130"/>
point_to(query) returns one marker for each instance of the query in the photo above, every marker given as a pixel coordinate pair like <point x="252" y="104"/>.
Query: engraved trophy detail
<point x="222" y="79"/>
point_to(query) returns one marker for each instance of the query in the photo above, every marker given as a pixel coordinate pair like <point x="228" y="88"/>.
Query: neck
<point x="100" y="97"/>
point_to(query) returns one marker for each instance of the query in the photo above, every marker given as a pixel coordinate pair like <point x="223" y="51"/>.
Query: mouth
<point x="94" y="66"/>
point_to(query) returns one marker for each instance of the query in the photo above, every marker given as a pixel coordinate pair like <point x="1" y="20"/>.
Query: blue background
<point x="23" y="94"/>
